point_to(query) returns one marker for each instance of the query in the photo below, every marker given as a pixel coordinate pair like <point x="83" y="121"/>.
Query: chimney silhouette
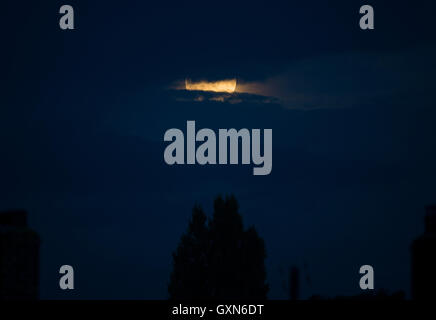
<point x="294" y="283"/>
<point x="424" y="259"/>
<point x="19" y="257"/>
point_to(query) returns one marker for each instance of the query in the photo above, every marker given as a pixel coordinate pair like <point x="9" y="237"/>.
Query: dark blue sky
<point x="83" y="114"/>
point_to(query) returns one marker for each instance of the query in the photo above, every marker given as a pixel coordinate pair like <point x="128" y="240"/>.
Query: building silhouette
<point x="424" y="259"/>
<point x="19" y="257"/>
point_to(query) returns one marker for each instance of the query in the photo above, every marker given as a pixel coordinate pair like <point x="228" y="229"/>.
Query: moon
<point x="228" y="86"/>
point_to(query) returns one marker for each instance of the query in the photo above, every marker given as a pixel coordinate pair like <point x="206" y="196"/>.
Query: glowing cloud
<point x="228" y="86"/>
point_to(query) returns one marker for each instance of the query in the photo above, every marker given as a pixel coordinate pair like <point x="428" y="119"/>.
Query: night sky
<point x="83" y="113"/>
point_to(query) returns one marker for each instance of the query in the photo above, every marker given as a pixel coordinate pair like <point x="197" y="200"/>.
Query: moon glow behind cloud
<point x="228" y="86"/>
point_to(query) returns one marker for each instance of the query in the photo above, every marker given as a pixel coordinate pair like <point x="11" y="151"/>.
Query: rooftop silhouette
<point x="424" y="259"/>
<point x="19" y="257"/>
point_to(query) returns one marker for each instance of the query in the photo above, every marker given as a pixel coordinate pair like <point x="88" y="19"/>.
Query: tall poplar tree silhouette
<point x="218" y="259"/>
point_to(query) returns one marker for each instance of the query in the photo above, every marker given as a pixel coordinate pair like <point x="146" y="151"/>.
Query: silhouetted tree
<point x="189" y="279"/>
<point x="219" y="259"/>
